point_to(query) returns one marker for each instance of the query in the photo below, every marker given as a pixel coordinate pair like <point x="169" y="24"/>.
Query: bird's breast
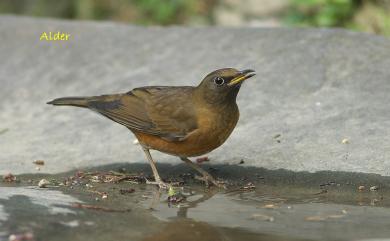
<point x="214" y="127"/>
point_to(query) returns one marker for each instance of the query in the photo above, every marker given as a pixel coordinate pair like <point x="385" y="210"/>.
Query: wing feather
<point x="161" y="111"/>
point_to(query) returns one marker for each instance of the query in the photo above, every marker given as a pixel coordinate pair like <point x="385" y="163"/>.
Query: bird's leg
<point x="157" y="177"/>
<point x="206" y="176"/>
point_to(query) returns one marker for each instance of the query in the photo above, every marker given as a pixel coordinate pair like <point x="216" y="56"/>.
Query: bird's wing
<point x="162" y="111"/>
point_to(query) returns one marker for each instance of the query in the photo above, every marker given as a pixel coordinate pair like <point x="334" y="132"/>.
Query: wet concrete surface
<point x="284" y="205"/>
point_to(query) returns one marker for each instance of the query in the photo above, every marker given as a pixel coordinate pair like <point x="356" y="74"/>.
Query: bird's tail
<point x="72" y="101"/>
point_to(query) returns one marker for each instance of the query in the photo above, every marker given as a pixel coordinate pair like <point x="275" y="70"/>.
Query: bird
<point x="183" y="121"/>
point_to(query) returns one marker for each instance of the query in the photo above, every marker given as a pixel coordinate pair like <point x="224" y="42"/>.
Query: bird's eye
<point x="219" y="81"/>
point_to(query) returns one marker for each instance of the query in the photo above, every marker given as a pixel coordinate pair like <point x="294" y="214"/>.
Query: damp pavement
<point x="259" y="204"/>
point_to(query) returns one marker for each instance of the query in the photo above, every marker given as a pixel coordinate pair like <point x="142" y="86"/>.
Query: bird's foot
<point x="159" y="183"/>
<point x="207" y="178"/>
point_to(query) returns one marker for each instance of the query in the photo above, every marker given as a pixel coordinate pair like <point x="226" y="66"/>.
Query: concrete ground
<point x="319" y="100"/>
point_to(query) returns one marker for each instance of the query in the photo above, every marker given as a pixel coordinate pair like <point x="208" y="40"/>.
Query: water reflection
<point x="294" y="211"/>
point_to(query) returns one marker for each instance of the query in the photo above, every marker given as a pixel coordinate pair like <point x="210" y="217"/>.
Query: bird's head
<point x="222" y="85"/>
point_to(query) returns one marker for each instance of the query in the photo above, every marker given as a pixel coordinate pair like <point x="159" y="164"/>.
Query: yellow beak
<point x="243" y="75"/>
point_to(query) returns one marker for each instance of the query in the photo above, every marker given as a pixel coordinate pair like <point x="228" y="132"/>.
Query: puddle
<point x="284" y="206"/>
<point x="308" y="217"/>
<point x="52" y="201"/>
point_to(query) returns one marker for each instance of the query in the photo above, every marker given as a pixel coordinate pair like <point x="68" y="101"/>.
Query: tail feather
<point x="72" y="101"/>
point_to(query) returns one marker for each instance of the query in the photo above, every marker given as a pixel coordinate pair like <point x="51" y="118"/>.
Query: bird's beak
<point x="242" y="75"/>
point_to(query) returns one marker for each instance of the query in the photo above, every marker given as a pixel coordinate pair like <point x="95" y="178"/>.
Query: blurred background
<point x="371" y="16"/>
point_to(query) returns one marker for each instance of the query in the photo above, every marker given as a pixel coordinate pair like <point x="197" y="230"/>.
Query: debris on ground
<point x="200" y="160"/>
<point x="28" y="236"/>
<point x="315" y="218"/>
<point x="276" y="137"/>
<point x="323" y="191"/>
<point x="270" y="206"/>
<point x="361" y="188"/>
<point x="259" y="176"/>
<point x="39" y="162"/>
<point x="79" y="178"/>
<point x="241" y="161"/>
<point x="98" y="208"/>
<point x="126" y="191"/>
<point x="135" y="142"/>
<point x="248" y="187"/>
<point x="326" y="217"/>
<point x="174" y="197"/>
<point x="175" y="200"/>
<point x="186" y="175"/>
<point x="171" y="192"/>
<point x="103" y="195"/>
<point x="374" y="188"/>
<point x="43" y="183"/>
<point x="331" y="183"/>
<point x="9" y="178"/>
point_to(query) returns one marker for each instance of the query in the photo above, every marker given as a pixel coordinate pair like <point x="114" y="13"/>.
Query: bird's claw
<point x="209" y="179"/>
<point x="159" y="183"/>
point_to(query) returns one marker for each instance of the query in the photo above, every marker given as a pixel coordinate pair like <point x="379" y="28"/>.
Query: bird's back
<point x="162" y="111"/>
<point x="168" y="119"/>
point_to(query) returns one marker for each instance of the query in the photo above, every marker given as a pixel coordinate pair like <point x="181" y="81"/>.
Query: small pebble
<point x="39" y="162"/>
<point x="43" y="183"/>
<point x="262" y="217"/>
<point x="38" y="168"/>
<point x="270" y="206"/>
<point x="124" y="191"/>
<point x="315" y="218"/>
<point x="200" y="160"/>
<point x="361" y="188"/>
<point x="9" y="178"/>
<point x="21" y="237"/>
<point x="104" y="196"/>
<point x="345" y="141"/>
<point x="374" y="188"/>
<point x="135" y="142"/>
